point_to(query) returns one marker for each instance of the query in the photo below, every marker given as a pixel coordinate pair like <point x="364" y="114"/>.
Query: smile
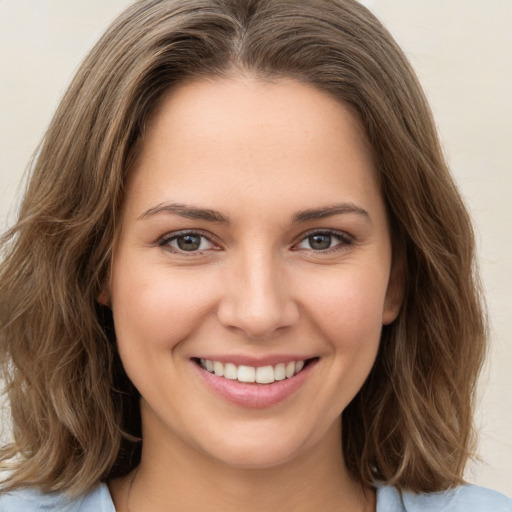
<point x="257" y="374"/>
<point x="254" y="386"/>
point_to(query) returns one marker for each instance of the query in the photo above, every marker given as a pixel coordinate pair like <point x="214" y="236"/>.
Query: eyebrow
<point x="329" y="211"/>
<point x="187" y="211"/>
<point x="193" y="212"/>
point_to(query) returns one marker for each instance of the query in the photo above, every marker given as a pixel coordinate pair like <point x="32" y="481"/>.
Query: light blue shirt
<point x="467" y="498"/>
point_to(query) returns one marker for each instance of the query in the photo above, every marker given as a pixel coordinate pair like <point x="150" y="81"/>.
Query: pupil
<point x="189" y="242"/>
<point x="320" y="241"/>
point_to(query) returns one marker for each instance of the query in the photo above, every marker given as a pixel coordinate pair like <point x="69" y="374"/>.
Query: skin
<point x="257" y="153"/>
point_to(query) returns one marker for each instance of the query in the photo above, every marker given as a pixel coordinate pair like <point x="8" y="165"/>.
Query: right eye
<point x="186" y="242"/>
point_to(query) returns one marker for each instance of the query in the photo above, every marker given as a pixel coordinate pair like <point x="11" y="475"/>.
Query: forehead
<point x="250" y="135"/>
<point x="251" y="107"/>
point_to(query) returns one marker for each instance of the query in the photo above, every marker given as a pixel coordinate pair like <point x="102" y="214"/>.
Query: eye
<point x="186" y="242"/>
<point x="324" y="240"/>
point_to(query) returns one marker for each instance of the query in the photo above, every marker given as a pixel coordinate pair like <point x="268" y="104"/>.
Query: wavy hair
<point x="75" y="417"/>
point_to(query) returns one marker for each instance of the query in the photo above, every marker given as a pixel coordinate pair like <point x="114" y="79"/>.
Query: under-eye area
<point x="255" y="374"/>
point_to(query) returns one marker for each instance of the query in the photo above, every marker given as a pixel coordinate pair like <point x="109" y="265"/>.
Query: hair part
<point x="74" y="411"/>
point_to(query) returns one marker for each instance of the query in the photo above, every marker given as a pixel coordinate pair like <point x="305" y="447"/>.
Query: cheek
<point x="346" y="311"/>
<point x="156" y="310"/>
<point x="349" y="305"/>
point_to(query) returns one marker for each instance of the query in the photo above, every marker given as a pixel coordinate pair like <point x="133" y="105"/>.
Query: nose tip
<point x="258" y="321"/>
<point x="258" y="305"/>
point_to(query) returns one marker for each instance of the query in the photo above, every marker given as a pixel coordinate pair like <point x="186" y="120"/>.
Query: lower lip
<point x="254" y="395"/>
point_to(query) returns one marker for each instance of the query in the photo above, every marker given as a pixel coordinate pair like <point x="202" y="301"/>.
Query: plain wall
<point x="461" y="50"/>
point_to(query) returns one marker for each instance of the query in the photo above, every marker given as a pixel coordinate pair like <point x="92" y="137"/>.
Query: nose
<point x="257" y="300"/>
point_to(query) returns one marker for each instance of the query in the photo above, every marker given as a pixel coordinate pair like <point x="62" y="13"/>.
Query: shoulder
<point x="466" y="498"/>
<point x="32" y="500"/>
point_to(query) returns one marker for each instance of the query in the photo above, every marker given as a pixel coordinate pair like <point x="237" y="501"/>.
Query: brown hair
<point x="74" y="411"/>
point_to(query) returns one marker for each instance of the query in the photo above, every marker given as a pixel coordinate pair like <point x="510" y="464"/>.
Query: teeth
<point x="218" y="368"/>
<point x="246" y="374"/>
<point x="280" y="371"/>
<point x="265" y="374"/>
<point x="260" y="374"/>
<point x="230" y="371"/>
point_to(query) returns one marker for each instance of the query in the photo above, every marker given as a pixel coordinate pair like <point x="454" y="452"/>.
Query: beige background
<point x="462" y="51"/>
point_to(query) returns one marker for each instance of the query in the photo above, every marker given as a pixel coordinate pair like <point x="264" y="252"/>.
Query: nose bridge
<point x="257" y="299"/>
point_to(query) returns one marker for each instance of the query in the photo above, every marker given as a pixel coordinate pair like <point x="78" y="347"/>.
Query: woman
<point x="242" y="276"/>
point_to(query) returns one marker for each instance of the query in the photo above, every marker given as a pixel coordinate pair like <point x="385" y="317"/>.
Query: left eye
<point x="321" y="241"/>
<point x="187" y="242"/>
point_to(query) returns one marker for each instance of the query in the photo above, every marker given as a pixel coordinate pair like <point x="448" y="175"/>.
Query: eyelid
<point x="344" y="240"/>
<point x="164" y="241"/>
<point x="343" y="236"/>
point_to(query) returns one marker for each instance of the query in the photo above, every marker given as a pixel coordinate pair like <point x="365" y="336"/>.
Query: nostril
<point x="256" y="325"/>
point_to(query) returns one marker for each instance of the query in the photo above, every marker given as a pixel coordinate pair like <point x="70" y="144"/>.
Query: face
<point x="253" y="271"/>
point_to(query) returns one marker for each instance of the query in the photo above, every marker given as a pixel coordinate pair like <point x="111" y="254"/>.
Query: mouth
<point x="267" y="374"/>
<point x="257" y="387"/>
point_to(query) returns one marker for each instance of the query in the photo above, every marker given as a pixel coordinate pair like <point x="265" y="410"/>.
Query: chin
<point x="262" y="455"/>
<point x="265" y="446"/>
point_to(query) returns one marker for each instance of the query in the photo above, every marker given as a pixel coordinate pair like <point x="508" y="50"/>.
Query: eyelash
<point x="167" y="239"/>
<point x="343" y="239"/>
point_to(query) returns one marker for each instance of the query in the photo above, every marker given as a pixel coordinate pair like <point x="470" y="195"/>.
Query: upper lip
<point x="256" y="361"/>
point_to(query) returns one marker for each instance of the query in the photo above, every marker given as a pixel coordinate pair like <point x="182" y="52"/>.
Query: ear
<point x="104" y="296"/>
<point x="395" y="291"/>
